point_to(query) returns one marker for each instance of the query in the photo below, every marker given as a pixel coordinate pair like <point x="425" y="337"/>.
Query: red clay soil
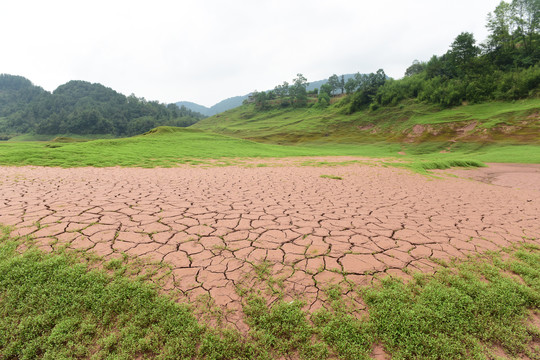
<point x="521" y="176"/>
<point x="211" y="224"/>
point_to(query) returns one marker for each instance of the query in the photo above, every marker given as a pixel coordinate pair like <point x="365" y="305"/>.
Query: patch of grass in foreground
<point x="53" y="306"/>
<point x="457" y="315"/>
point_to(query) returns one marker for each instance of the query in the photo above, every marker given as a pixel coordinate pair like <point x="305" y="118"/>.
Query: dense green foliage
<point x="15" y="93"/>
<point x="59" y="306"/>
<point x="79" y="107"/>
<point x="505" y="67"/>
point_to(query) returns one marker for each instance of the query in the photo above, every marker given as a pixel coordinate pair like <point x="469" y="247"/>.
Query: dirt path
<point x="212" y="224"/>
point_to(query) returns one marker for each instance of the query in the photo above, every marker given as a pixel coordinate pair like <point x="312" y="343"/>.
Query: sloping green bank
<point x="411" y="122"/>
<point x="168" y="147"/>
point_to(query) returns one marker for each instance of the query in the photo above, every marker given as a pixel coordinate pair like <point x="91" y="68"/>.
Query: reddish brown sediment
<point x="213" y="224"/>
<point x="520" y="176"/>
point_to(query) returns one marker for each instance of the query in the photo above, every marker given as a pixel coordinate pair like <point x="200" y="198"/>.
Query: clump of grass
<point x="447" y="164"/>
<point x="455" y="314"/>
<point x="283" y="329"/>
<point x="423" y="166"/>
<point x="334" y="177"/>
<point x="348" y="337"/>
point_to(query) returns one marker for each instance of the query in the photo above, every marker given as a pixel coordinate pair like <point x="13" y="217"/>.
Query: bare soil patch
<point x="213" y="225"/>
<point x="518" y="176"/>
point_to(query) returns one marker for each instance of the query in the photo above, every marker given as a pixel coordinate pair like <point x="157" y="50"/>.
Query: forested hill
<point x="80" y="107"/>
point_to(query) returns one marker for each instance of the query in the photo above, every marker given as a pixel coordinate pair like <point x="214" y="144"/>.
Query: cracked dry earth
<point x="212" y="224"/>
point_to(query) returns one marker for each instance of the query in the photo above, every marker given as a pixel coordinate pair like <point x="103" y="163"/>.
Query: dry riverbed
<point x="216" y="226"/>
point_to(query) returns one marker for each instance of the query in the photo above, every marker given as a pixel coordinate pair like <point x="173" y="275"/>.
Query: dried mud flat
<point x="214" y="226"/>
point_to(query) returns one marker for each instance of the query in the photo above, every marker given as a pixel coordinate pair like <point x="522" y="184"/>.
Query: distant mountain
<point x="221" y="106"/>
<point x="195" y="107"/>
<point x="236" y="101"/>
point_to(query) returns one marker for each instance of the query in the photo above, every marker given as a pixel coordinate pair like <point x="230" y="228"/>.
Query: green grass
<point x="168" y="147"/>
<point x="460" y="312"/>
<point x="393" y="123"/>
<point x="57" y="306"/>
<point x="487" y="114"/>
<point x="504" y="132"/>
<point x="42" y="137"/>
<point x="334" y="177"/>
<point x="53" y="307"/>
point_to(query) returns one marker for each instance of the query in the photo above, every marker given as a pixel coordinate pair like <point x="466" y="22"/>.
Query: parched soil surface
<point x="213" y="224"/>
<point x="520" y="176"/>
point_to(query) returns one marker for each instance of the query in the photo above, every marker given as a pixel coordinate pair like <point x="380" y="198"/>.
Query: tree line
<point x="79" y="107"/>
<point x="294" y="94"/>
<point x="504" y="67"/>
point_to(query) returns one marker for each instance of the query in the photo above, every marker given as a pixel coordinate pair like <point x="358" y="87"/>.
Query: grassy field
<point x="168" y="147"/>
<point x="59" y="305"/>
<point x="38" y="137"/>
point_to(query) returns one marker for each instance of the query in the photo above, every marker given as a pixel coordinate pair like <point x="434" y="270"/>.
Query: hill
<point x="16" y="92"/>
<point x="221" y="106"/>
<point x="80" y="107"/>
<point x="411" y="122"/>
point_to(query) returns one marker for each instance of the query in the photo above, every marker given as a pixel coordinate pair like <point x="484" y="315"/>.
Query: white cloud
<point x="208" y="50"/>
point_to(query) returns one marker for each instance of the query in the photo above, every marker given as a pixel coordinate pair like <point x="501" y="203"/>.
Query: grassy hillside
<point x="508" y="122"/>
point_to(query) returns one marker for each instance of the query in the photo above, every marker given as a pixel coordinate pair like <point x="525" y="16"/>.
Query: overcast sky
<point x="208" y="50"/>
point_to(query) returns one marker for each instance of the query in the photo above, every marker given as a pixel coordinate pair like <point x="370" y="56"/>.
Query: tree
<point x="342" y="84"/>
<point x="282" y="91"/>
<point x="350" y="86"/>
<point x="334" y="83"/>
<point x="416" y="68"/>
<point x="260" y="100"/>
<point x="326" y="88"/>
<point x="526" y="15"/>
<point x="298" y="92"/>
<point x="141" y="125"/>
<point x="323" y="99"/>
<point x="462" y="52"/>
<point x="368" y="87"/>
<point x="513" y="38"/>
